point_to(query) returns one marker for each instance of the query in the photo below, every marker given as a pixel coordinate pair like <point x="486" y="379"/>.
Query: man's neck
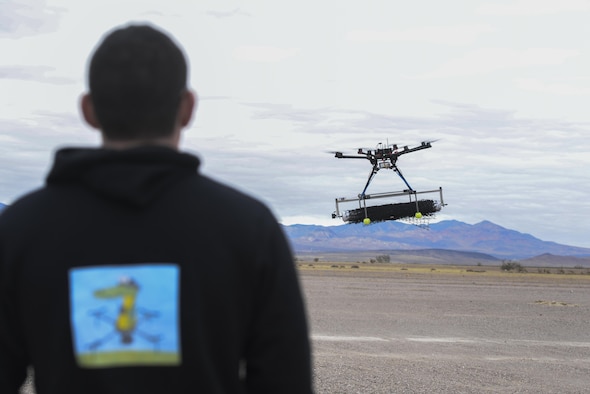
<point x="169" y="142"/>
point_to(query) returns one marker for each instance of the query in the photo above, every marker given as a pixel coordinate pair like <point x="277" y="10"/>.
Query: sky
<point x="503" y="86"/>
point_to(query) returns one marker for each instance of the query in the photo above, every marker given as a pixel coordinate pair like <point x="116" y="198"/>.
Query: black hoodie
<point x="129" y="272"/>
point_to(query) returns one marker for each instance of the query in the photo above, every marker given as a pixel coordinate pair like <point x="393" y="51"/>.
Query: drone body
<point x="383" y="157"/>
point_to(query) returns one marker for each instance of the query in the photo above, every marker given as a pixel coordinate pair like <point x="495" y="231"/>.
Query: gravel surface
<point x="397" y="332"/>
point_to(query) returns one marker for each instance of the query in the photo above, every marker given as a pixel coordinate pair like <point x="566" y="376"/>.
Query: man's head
<point x="138" y="86"/>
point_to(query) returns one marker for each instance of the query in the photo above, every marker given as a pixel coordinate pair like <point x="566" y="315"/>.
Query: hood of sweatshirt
<point x="132" y="176"/>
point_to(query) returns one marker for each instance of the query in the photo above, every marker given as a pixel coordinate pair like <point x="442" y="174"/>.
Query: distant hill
<point x="550" y="260"/>
<point x="451" y="235"/>
<point x="419" y="256"/>
<point x="444" y="242"/>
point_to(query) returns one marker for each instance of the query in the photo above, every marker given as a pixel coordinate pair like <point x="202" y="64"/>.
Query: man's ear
<point x="88" y="112"/>
<point x="188" y="102"/>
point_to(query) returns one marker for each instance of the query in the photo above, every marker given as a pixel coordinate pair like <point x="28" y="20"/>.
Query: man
<point x="129" y="272"/>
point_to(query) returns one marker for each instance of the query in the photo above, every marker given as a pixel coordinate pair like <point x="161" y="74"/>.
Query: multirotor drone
<point x="385" y="156"/>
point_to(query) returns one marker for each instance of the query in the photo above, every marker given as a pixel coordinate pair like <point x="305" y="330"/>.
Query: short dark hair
<point x="136" y="78"/>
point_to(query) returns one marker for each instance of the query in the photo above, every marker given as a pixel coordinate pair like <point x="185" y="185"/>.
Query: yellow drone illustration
<point x="126" y="322"/>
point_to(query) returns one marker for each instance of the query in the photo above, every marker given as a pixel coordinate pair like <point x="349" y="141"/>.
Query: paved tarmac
<point x="402" y="332"/>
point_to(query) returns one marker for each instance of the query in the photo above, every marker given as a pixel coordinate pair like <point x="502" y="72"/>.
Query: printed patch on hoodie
<point x="125" y="315"/>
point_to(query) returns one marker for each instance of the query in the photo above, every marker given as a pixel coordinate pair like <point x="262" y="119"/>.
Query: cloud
<point x="228" y="14"/>
<point x="219" y="97"/>
<point x="27" y="145"/>
<point x="447" y="35"/>
<point x="553" y="88"/>
<point x="33" y="73"/>
<point x="22" y="18"/>
<point x="532" y="7"/>
<point x="285" y="177"/>
<point x="487" y="60"/>
<point x="527" y="174"/>
<point x="286" y="112"/>
<point x="264" y="54"/>
<point x="523" y="173"/>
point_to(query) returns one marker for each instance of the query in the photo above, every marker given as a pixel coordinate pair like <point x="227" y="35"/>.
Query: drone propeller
<point x="430" y="141"/>
<point x="335" y="153"/>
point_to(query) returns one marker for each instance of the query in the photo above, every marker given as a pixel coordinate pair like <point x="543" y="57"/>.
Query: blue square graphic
<point x="125" y="315"/>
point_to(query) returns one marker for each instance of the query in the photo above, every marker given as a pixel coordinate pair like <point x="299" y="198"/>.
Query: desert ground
<point x="444" y="329"/>
<point x="414" y="328"/>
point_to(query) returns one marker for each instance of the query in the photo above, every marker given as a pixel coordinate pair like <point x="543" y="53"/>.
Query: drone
<point x="385" y="156"/>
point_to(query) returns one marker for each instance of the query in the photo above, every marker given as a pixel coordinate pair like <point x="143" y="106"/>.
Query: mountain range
<point x="445" y="241"/>
<point x="485" y="238"/>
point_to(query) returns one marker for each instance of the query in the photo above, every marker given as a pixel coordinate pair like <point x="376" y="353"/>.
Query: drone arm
<point x="424" y="145"/>
<point x="99" y="342"/>
<point x="341" y="156"/>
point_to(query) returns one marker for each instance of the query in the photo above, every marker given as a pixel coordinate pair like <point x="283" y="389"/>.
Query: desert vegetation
<point x="508" y="265"/>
